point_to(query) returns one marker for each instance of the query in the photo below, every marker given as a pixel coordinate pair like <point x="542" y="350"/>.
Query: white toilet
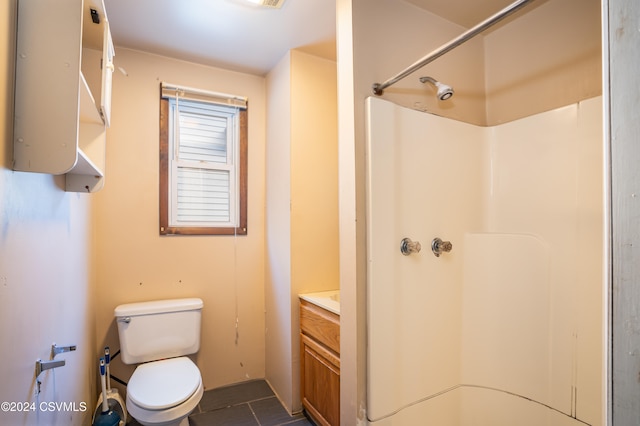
<point x="166" y="386"/>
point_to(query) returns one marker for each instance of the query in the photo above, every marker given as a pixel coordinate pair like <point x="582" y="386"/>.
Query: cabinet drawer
<point x="322" y="325"/>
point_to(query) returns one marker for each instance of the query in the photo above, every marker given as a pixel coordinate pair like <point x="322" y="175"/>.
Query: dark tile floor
<point x="246" y="404"/>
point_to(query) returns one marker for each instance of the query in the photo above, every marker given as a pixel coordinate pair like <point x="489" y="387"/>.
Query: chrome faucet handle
<point x="407" y="246"/>
<point x="438" y="246"/>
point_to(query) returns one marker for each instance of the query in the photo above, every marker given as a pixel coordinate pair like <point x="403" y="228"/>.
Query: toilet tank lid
<point x="158" y="307"/>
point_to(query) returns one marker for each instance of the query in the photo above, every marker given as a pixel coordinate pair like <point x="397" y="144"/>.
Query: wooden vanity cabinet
<point x="320" y="363"/>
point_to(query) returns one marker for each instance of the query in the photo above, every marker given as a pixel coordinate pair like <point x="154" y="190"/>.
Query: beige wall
<point x="532" y="55"/>
<point x="314" y="174"/>
<point x="46" y="285"/>
<point x="537" y="62"/>
<point x="376" y="40"/>
<point x="391" y="35"/>
<point x="134" y="263"/>
<point x="302" y="209"/>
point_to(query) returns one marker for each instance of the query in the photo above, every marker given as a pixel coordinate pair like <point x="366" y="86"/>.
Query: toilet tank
<point x="158" y="329"/>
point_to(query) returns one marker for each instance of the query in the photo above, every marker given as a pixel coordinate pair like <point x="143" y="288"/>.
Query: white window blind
<point x="203" y="166"/>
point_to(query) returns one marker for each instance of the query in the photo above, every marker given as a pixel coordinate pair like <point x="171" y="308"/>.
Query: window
<point x="203" y="163"/>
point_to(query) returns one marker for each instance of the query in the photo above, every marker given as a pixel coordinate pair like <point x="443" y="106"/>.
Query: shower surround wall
<point x="507" y="328"/>
<point x="545" y="57"/>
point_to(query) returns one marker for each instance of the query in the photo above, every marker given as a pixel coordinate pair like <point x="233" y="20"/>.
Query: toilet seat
<point x="160" y="385"/>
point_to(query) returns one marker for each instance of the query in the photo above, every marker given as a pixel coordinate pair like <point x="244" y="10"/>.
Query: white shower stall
<point x="507" y="328"/>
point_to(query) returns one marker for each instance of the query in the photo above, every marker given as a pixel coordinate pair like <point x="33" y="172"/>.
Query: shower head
<point x="444" y="92"/>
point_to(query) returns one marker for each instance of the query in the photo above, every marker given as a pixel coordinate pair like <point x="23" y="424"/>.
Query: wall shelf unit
<point x="62" y="96"/>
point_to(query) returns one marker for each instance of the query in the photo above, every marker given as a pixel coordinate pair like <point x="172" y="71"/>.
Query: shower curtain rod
<point x="378" y="88"/>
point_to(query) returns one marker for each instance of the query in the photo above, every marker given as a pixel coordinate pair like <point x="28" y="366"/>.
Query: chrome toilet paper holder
<point x="47" y="365"/>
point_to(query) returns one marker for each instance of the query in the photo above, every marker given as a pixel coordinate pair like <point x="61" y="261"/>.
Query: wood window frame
<point x="165" y="228"/>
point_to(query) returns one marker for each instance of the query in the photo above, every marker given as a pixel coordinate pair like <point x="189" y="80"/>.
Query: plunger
<point x="113" y="397"/>
<point x="107" y="417"/>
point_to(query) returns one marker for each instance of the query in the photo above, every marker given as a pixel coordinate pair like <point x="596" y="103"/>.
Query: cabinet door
<point x="320" y="382"/>
<point x="47" y="85"/>
<point x="108" y="52"/>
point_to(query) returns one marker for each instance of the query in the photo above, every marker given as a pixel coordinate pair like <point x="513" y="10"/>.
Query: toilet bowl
<point x="166" y="386"/>
<point x="164" y="392"/>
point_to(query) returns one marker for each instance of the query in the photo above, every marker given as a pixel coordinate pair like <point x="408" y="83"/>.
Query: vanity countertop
<point x="329" y="300"/>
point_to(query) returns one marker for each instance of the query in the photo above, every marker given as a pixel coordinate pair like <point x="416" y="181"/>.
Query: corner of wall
<point x="278" y="350"/>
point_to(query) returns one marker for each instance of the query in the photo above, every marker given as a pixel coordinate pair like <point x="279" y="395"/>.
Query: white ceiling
<point x="237" y="35"/>
<point x="231" y="34"/>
